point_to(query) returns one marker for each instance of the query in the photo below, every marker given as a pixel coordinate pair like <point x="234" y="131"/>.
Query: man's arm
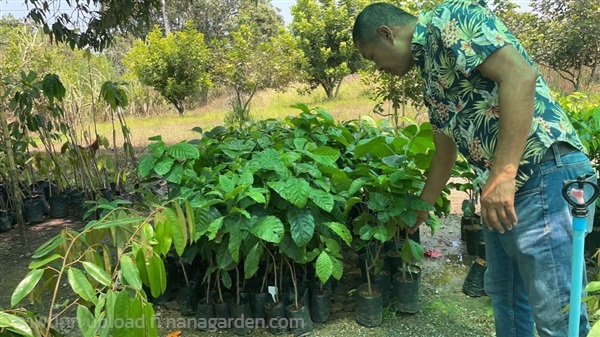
<point x="440" y="171"/>
<point x="516" y="81"/>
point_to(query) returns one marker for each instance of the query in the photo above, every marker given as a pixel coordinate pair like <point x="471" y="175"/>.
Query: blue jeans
<point x="528" y="274"/>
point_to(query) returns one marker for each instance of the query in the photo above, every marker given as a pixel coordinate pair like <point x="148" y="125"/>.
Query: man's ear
<point x="386" y="33"/>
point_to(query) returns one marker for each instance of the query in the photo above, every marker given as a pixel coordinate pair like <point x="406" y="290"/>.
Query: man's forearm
<point x="440" y="171"/>
<point x="516" y="99"/>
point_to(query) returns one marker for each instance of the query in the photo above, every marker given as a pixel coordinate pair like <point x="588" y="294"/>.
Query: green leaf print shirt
<point x="448" y="44"/>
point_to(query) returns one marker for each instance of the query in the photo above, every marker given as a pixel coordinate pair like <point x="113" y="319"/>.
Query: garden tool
<point x="579" y="212"/>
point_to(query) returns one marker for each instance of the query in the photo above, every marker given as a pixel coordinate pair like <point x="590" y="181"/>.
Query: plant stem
<point x="293" y="273"/>
<point x="187" y="281"/>
<point x="237" y="284"/>
<point x="264" y="282"/>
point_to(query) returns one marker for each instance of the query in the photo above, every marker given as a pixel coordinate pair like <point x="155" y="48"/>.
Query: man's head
<point x="383" y="34"/>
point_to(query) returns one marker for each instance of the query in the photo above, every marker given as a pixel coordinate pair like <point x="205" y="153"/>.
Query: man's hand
<point x="421" y="217"/>
<point x="497" y="203"/>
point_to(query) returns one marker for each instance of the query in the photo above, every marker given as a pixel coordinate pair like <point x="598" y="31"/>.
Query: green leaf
<point x="326" y="155"/>
<point x="176" y="174"/>
<point x="324" y="267"/>
<point x="122" y="222"/>
<point x="257" y="196"/>
<point x="338" y="268"/>
<point x="164" y="166"/>
<point x="297" y="191"/>
<point x="302" y="225"/>
<point x="146" y="166"/>
<point x="121" y="312"/>
<point x="86" y="321"/>
<point x="416" y="250"/>
<point x="130" y="272"/>
<point x="226" y="184"/>
<point x="35" y="264"/>
<point x="341" y="230"/>
<point x="26" y="286"/>
<point x="252" y="260"/>
<point x="15" y="324"/>
<point x="214" y="227"/>
<point x="322" y="199"/>
<point x="178" y="228"/>
<point x="98" y="273"/>
<point x="150" y="326"/>
<point x="235" y="241"/>
<point x="81" y="286"/>
<point x="48" y="247"/>
<point x="157" y="276"/>
<point x="269" y="229"/>
<point x="183" y="151"/>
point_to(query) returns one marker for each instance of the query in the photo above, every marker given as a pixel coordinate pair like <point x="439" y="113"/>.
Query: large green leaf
<point x="269" y="229"/>
<point x="338" y="268"/>
<point x="175" y="175"/>
<point x="146" y="165"/>
<point x="98" y="273"/>
<point x="178" y="228"/>
<point x="81" y="285"/>
<point x="252" y="260"/>
<point x="324" y="267"/>
<point x="15" y="324"/>
<point x="183" y="151"/>
<point x="341" y="230"/>
<point x="322" y="199"/>
<point x="130" y="272"/>
<point x="157" y="276"/>
<point x="164" y="165"/>
<point x="235" y="242"/>
<point x="297" y="191"/>
<point x="302" y="225"/>
<point x="42" y="262"/>
<point x="226" y="184"/>
<point x="86" y="321"/>
<point x="416" y="249"/>
<point x="48" y="247"/>
<point x="326" y="155"/>
<point x="150" y="326"/>
<point x="121" y="312"/>
<point x="26" y="286"/>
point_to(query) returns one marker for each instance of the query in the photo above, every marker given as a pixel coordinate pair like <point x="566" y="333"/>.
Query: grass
<point x="352" y="102"/>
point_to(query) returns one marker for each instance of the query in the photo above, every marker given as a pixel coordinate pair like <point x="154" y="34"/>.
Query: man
<point x="487" y="100"/>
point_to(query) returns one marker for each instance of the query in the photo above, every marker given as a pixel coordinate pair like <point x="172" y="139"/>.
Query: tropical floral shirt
<point x="448" y="44"/>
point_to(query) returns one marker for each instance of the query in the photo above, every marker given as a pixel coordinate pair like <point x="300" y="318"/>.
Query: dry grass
<point x="351" y="103"/>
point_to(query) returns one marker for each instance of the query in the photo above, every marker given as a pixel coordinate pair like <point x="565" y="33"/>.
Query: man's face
<point x="391" y="55"/>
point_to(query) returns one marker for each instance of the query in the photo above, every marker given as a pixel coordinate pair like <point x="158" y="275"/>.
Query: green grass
<point x="352" y="102"/>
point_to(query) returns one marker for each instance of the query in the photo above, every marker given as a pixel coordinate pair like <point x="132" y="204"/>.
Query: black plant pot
<point x="407" y="290"/>
<point x="240" y="315"/>
<point x="222" y="310"/>
<point x="5" y="223"/>
<point x="320" y="305"/>
<point x="369" y="308"/>
<point x="275" y="318"/>
<point x="188" y="299"/>
<point x="468" y="221"/>
<point x="303" y="295"/>
<point x="257" y="303"/>
<point x="383" y="282"/>
<point x="473" y="235"/>
<point x="76" y="200"/>
<point x="393" y="260"/>
<point x="481" y="250"/>
<point x="33" y="209"/>
<point x="59" y="205"/>
<point x="473" y="284"/>
<point x="204" y="313"/>
<point x="300" y="320"/>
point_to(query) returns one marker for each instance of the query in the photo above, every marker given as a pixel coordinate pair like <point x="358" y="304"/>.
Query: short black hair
<point x="376" y="15"/>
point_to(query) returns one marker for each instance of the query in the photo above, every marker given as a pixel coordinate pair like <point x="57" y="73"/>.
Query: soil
<point x="445" y="310"/>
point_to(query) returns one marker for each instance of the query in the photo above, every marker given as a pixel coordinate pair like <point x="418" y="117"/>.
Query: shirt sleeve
<point x="471" y="31"/>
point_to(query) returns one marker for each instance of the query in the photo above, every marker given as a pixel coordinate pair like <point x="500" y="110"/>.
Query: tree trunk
<point x="14" y="178"/>
<point x="328" y="90"/>
<point x="337" y="87"/>
<point x="165" y="17"/>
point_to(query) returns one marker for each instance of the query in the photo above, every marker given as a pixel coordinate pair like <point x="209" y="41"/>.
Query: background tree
<point x="323" y="29"/>
<point x="175" y="65"/>
<point x="247" y="63"/>
<point x="567" y="41"/>
<point x="91" y="23"/>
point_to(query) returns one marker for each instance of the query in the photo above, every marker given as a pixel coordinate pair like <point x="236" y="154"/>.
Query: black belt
<point x="563" y="149"/>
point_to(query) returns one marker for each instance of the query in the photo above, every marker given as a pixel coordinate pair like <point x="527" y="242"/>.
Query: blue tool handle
<point x="579" y="225"/>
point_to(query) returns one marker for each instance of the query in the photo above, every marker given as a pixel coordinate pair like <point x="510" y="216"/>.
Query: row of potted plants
<point x="300" y="190"/>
